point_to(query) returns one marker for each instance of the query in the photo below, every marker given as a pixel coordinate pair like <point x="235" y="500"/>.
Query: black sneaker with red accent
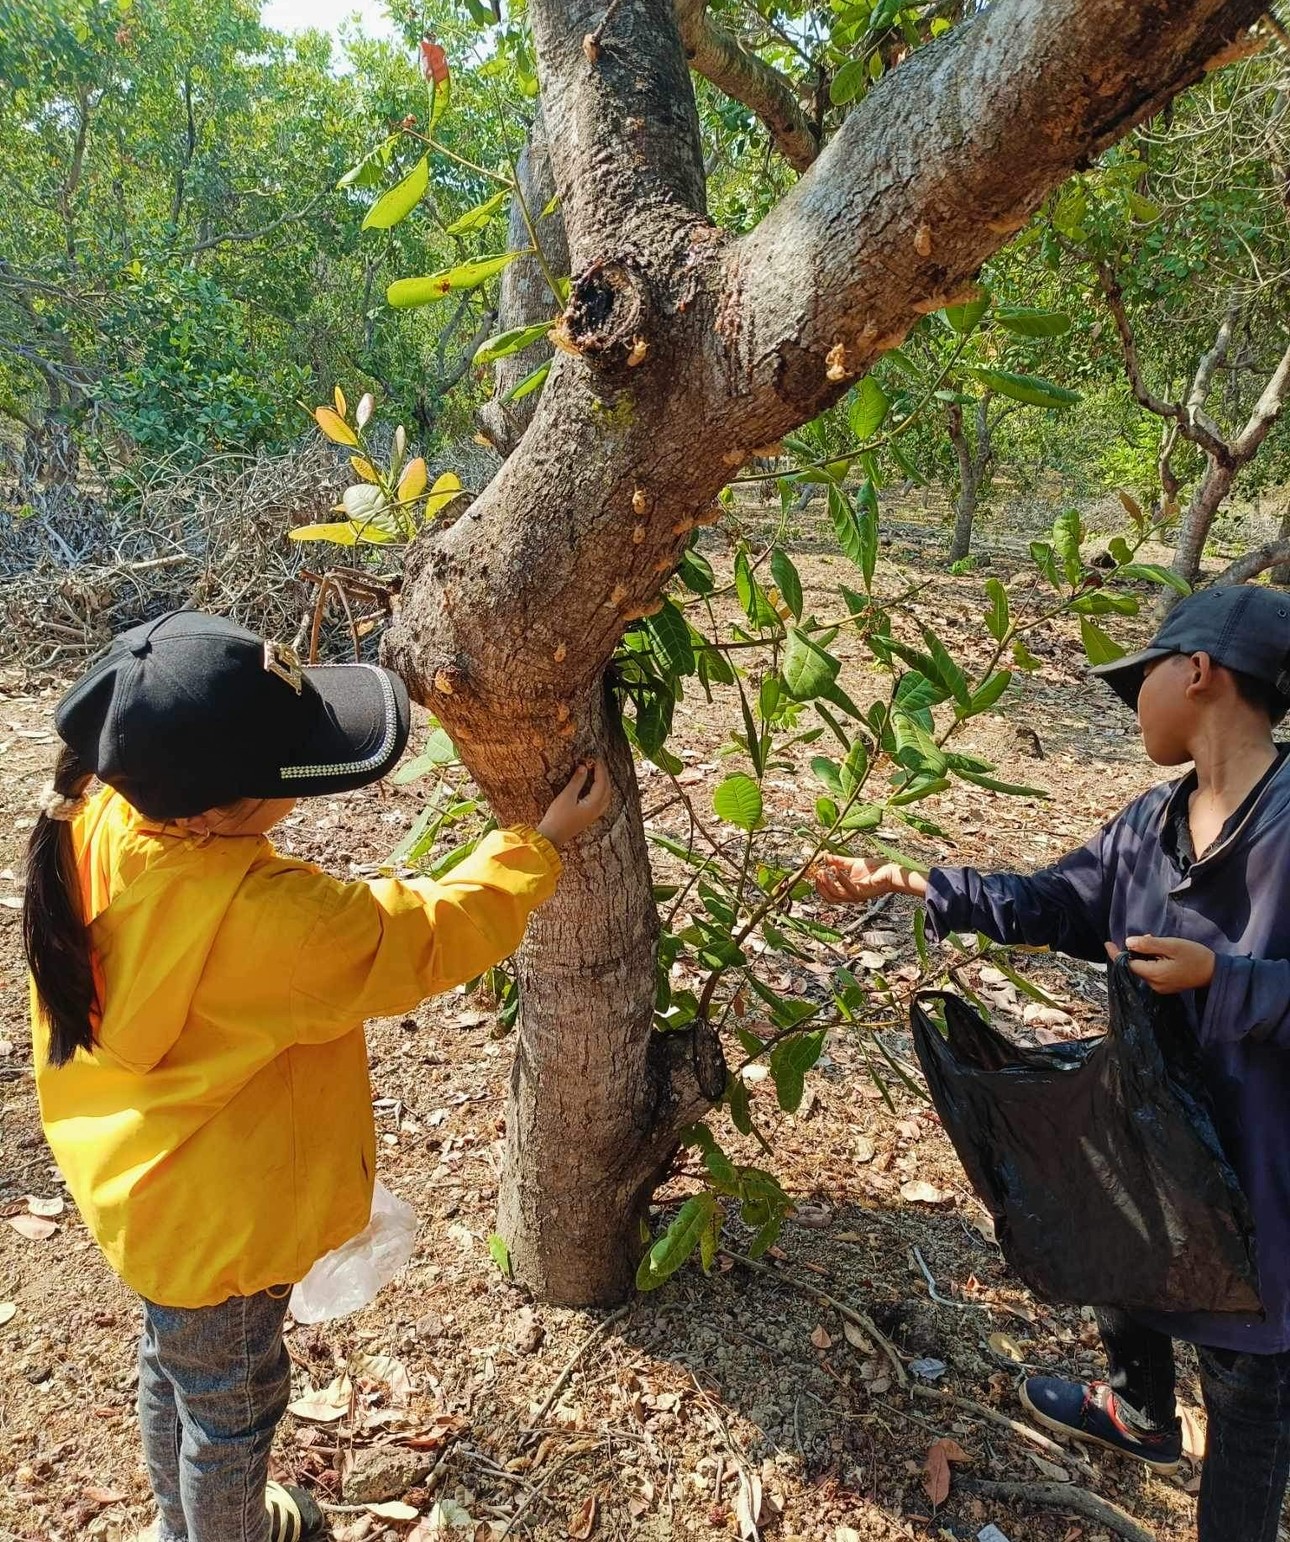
<point x="1091" y="1414"/>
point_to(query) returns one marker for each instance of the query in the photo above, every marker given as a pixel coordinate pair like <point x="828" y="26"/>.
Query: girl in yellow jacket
<point x="198" y="1003"/>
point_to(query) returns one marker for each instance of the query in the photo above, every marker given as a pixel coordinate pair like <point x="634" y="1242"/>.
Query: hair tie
<point x="57" y="805"/>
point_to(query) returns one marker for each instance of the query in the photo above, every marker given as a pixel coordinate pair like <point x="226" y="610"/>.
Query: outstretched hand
<point x="584" y="799"/>
<point x="1173" y="964"/>
<point x="852" y="880"/>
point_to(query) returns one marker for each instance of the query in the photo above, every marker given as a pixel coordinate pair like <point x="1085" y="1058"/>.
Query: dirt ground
<point x="692" y="1406"/>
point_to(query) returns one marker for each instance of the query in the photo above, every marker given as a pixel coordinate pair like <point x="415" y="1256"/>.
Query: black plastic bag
<point x="1098" y="1159"/>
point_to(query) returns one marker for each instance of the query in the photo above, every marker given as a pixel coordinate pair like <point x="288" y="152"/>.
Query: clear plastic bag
<point x="348" y="1279"/>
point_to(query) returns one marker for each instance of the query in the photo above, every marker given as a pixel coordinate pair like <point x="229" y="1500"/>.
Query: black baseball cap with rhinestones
<point x="1240" y="626"/>
<point x="191" y="711"/>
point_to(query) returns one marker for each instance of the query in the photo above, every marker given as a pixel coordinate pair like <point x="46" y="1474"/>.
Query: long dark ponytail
<point x="54" y="934"/>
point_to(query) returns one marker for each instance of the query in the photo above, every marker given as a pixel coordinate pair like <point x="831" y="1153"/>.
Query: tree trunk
<point x="974" y="471"/>
<point x="683" y="351"/>
<point x="1281" y="572"/>
<point x="1193" y="532"/>
<point x="525" y="297"/>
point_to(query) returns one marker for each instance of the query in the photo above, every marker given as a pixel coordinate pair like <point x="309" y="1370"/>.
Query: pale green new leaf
<point x="405" y="292"/>
<point x="513" y="340"/>
<point x="677" y="1242"/>
<point x="479" y="216"/>
<point x="738" y="801"/>
<point x="400" y="201"/>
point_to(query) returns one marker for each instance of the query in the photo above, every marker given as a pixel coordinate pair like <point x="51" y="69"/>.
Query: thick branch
<point x="880" y="230"/>
<point x="724" y="61"/>
<point x="621" y="119"/>
<point x="1255" y="562"/>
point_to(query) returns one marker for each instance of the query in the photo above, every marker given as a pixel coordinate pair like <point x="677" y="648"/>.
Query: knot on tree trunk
<point x="607" y="315"/>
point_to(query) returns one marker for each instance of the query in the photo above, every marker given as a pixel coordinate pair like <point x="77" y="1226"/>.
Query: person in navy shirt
<point x="1194" y="879"/>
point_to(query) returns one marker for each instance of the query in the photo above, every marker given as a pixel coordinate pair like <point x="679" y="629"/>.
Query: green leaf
<point x="677" y="1242"/>
<point x="849" y="82"/>
<point x="1029" y="389"/>
<point x="500" y="1253"/>
<point x="670" y="635"/>
<point x="439" y="751"/>
<point x="514" y="340"/>
<point x="1023" y="658"/>
<point x="1027" y="323"/>
<point x="530" y="383"/>
<point x="856" y="530"/>
<point x="787" y="580"/>
<point x="1013" y="789"/>
<point x="966" y="318"/>
<point x="829" y="772"/>
<point x="400" y="201"/>
<point x="808" y="670"/>
<point x="789" y="1063"/>
<point x="752" y="596"/>
<point x="868" y="410"/>
<point x="915" y="748"/>
<point x="987" y="694"/>
<point x="1045" y="559"/>
<point x="1150" y="573"/>
<point x="998" y="617"/>
<point x="949" y="673"/>
<point x="479" y="216"/>
<point x="1099" y="648"/>
<point x="1068" y="533"/>
<point x="695" y="572"/>
<point x="368" y="171"/>
<point x="405" y="292"/>
<point x="740" y="1109"/>
<point x="738" y="801"/>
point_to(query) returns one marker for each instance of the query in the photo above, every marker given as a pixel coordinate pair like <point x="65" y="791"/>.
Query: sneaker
<point x="293" y="1514"/>
<point x="1090" y="1414"/>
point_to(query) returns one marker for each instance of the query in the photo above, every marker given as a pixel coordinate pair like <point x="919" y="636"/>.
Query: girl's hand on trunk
<point x="1174" y="964"/>
<point x="584" y="799"/>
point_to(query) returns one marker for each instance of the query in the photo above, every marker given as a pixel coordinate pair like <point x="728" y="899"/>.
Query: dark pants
<point x="1247" y="1405"/>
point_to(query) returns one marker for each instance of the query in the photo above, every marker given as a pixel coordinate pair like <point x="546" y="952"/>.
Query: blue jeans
<point x="213" y="1383"/>
<point x="1247" y="1407"/>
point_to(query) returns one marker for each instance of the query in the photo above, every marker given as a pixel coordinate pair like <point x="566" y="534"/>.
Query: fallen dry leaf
<point x="45" y="1207"/>
<point x="36" y="1228"/>
<point x="821" y="1339"/>
<point x="855" y="1338"/>
<point x="104" y="1496"/>
<point x="1004" y="1344"/>
<point x="393" y="1510"/>
<point x="327" y="1406"/>
<point x="7" y="1312"/>
<point x="583" y="1520"/>
<point x="919" y="1192"/>
<point x="748" y="1507"/>
<point x="936" y="1469"/>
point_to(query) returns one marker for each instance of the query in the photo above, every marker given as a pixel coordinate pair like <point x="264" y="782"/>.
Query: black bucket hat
<point x="191" y="711"/>
<point x="1240" y="626"/>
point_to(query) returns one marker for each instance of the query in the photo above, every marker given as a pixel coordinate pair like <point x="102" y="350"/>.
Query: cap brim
<point x="1125" y="676"/>
<point x="359" y="733"/>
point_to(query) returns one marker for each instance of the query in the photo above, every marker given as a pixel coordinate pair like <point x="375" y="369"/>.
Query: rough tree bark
<point x="684" y="352"/>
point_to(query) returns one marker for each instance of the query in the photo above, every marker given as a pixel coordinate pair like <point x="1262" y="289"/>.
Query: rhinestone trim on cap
<point x="377" y="757"/>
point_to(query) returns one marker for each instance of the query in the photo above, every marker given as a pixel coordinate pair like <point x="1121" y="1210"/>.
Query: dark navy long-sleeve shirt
<point x="1132" y="879"/>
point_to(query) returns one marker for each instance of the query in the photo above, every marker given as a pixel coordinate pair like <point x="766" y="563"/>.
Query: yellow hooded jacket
<point x="219" y="1139"/>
